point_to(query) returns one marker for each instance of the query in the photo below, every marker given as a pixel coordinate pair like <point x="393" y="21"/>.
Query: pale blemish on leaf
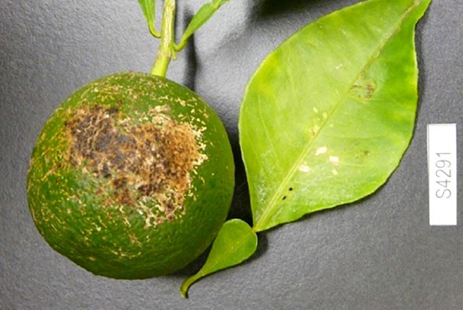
<point x="321" y="150"/>
<point x="334" y="160"/>
<point x="304" y="168"/>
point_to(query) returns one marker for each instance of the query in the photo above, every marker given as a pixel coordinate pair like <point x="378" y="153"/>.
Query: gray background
<point x="379" y="253"/>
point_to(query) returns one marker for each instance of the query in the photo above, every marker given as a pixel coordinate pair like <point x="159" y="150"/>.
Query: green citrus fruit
<point x="132" y="177"/>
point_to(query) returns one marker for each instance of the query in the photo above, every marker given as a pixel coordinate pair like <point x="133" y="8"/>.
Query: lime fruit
<point x="132" y="177"/>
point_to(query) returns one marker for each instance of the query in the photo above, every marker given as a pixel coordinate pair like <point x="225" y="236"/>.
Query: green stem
<point x="166" y="48"/>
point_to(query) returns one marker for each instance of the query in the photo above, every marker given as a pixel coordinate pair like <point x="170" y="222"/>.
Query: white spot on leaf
<point x="321" y="150"/>
<point x="304" y="168"/>
<point x="334" y="160"/>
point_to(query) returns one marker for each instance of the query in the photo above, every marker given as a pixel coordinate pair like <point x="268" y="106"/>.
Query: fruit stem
<point x="166" y="47"/>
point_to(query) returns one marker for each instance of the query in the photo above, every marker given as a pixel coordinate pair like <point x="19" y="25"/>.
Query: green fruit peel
<point x="131" y="177"/>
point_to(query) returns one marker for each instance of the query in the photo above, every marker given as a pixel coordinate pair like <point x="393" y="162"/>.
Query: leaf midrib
<point x="284" y="184"/>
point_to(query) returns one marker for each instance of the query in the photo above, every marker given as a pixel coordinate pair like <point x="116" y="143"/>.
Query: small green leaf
<point x="149" y="10"/>
<point x="329" y="114"/>
<point x="201" y="17"/>
<point x="235" y="243"/>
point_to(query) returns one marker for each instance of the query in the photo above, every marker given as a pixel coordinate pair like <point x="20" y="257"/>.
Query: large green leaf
<point x="329" y="114"/>
<point x="235" y="243"/>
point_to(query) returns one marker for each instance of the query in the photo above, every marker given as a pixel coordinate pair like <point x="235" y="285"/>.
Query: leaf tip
<point x="184" y="292"/>
<point x="186" y="286"/>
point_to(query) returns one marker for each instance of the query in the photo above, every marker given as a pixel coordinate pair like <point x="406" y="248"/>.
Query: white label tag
<point x="442" y="169"/>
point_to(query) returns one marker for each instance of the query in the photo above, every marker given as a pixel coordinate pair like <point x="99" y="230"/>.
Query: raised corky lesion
<point x="136" y="162"/>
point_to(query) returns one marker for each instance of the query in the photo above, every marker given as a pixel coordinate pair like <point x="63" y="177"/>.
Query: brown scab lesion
<point x="136" y="161"/>
<point x="363" y="89"/>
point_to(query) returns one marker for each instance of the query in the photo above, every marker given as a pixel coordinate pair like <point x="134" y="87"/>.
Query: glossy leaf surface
<point x="329" y="114"/>
<point x="235" y="243"/>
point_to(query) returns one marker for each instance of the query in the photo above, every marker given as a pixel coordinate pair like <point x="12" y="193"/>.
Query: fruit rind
<point x="81" y="212"/>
